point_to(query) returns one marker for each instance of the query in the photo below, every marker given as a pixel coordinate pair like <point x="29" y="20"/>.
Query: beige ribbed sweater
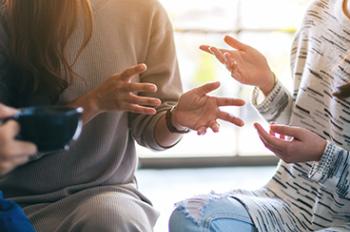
<point x="126" y="32"/>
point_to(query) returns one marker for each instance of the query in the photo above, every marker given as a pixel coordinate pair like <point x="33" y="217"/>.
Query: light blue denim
<point x="216" y="215"/>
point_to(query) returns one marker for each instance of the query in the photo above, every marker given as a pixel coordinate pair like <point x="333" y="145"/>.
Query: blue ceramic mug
<point x="49" y="127"/>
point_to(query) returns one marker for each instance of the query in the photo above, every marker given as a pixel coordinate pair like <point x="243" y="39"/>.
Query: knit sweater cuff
<point x="272" y="105"/>
<point x="320" y="170"/>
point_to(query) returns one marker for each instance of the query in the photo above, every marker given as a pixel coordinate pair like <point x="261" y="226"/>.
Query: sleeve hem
<point x="264" y="106"/>
<point x="319" y="170"/>
<point x="151" y="141"/>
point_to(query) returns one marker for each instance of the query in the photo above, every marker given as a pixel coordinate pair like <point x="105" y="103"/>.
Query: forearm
<point x="163" y="136"/>
<point x="88" y="105"/>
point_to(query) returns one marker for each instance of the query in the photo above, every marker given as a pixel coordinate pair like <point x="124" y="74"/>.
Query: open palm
<point x="198" y="111"/>
<point x="246" y="64"/>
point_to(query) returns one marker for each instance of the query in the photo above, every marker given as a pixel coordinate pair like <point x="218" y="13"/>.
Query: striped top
<point x="315" y="195"/>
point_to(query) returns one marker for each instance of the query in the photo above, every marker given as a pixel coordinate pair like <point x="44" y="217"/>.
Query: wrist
<point x="269" y="85"/>
<point x="172" y="122"/>
<point x="323" y="147"/>
<point x="174" y="119"/>
<point x="89" y="105"/>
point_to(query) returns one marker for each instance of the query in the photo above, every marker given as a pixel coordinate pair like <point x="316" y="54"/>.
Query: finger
<point x="231" y="64"/>
<point x="205" y="48"/>
<point x="20" y="161"/>
<point x="207" y="88"/>
<point x="6" y="167"/>
<point x="279" y="153"/>
<point x="127" y="74"/>
<point x="223" y="101"/>
<point x="234" y="43"/>
<point x="10" y="129"/>
<point x="140" y="87"/>
<point x="230" y="118"/>
<point x="218" y="54"/>
<point x="287" y="130"/>
<point x="144" y="101"/>
<point x="214" y="126"/>
<point x="134" y="108"/>
<point x="269" y="146"/>
<point x="278" y="143"/>
<point x="17" y="149"/>
<point x="25" y="148"/>
<point x="202" y="131"/>
<point x="6" y="111"/>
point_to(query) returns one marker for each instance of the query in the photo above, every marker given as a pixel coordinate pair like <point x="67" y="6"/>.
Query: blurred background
<point x="235" y="157"/>
<point x="267" y="25"/>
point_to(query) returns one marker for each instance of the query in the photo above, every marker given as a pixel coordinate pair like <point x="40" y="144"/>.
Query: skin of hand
<point x="119" y="93"/>
<point x="301" y="144"/>
<point x="198" y="111"/>
<point x="246" y="64"/>
<point x="12" y="152"/>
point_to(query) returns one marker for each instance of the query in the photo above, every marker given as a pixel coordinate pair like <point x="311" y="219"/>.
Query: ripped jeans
<point x="210" y="214"/>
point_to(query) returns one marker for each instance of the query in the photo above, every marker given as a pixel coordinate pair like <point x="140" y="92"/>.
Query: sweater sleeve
<point x="277" y="106"/>
<point x="333" y="170"/>
<point x="162" y="70"/>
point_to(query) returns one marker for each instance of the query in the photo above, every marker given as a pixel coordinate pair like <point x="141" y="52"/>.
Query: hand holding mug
<point x="12" y="152"/>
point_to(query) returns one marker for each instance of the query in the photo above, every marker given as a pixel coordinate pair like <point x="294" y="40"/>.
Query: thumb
<point x="6" y="111"/>
<point x="286" y="130"/>
<point x="207" y="88"/>
<point x="234" y="43"/>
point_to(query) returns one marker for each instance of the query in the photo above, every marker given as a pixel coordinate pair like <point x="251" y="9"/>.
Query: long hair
<point x="38" y="34"/>
<point x="343" y="91"/>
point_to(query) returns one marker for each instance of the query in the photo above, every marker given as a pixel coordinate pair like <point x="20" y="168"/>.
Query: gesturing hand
<point x="12" y="152"/>
<point x="294" y="145"/>
<point x="246" y="64"/>
<point x="198" y="111"/>
<point x="118" y="93"/>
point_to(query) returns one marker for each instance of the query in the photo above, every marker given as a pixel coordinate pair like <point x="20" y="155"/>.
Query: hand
<point x="118" y="93"/>
<point x="198" y="111"/>
<point x="302" y="145"/>
<point x="12" y="152"/>
<point x="246" y="64"/>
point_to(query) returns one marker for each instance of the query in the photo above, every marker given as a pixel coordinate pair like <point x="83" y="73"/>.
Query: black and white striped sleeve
<point x="277" y="106"/>
<point x="333" y="170"/>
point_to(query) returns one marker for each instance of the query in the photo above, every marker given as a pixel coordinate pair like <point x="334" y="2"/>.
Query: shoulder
<point x="133" y="6"/>
<point x="323" y="9"/>
<point x="147" y="13"/>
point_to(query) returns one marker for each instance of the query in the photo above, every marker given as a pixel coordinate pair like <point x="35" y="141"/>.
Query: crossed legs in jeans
<point x="211" y="215"/>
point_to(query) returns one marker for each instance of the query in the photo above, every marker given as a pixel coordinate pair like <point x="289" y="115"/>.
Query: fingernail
<point x="143" y="66"/>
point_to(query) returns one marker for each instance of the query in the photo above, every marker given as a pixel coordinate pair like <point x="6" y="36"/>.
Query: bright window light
<point x="267" y="25"/>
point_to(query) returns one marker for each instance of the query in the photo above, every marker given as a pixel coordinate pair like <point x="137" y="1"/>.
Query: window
<point x="266" y="25"/>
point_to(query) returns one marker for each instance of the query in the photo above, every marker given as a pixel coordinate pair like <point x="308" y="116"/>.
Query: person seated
<point x="310" y="133"/>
